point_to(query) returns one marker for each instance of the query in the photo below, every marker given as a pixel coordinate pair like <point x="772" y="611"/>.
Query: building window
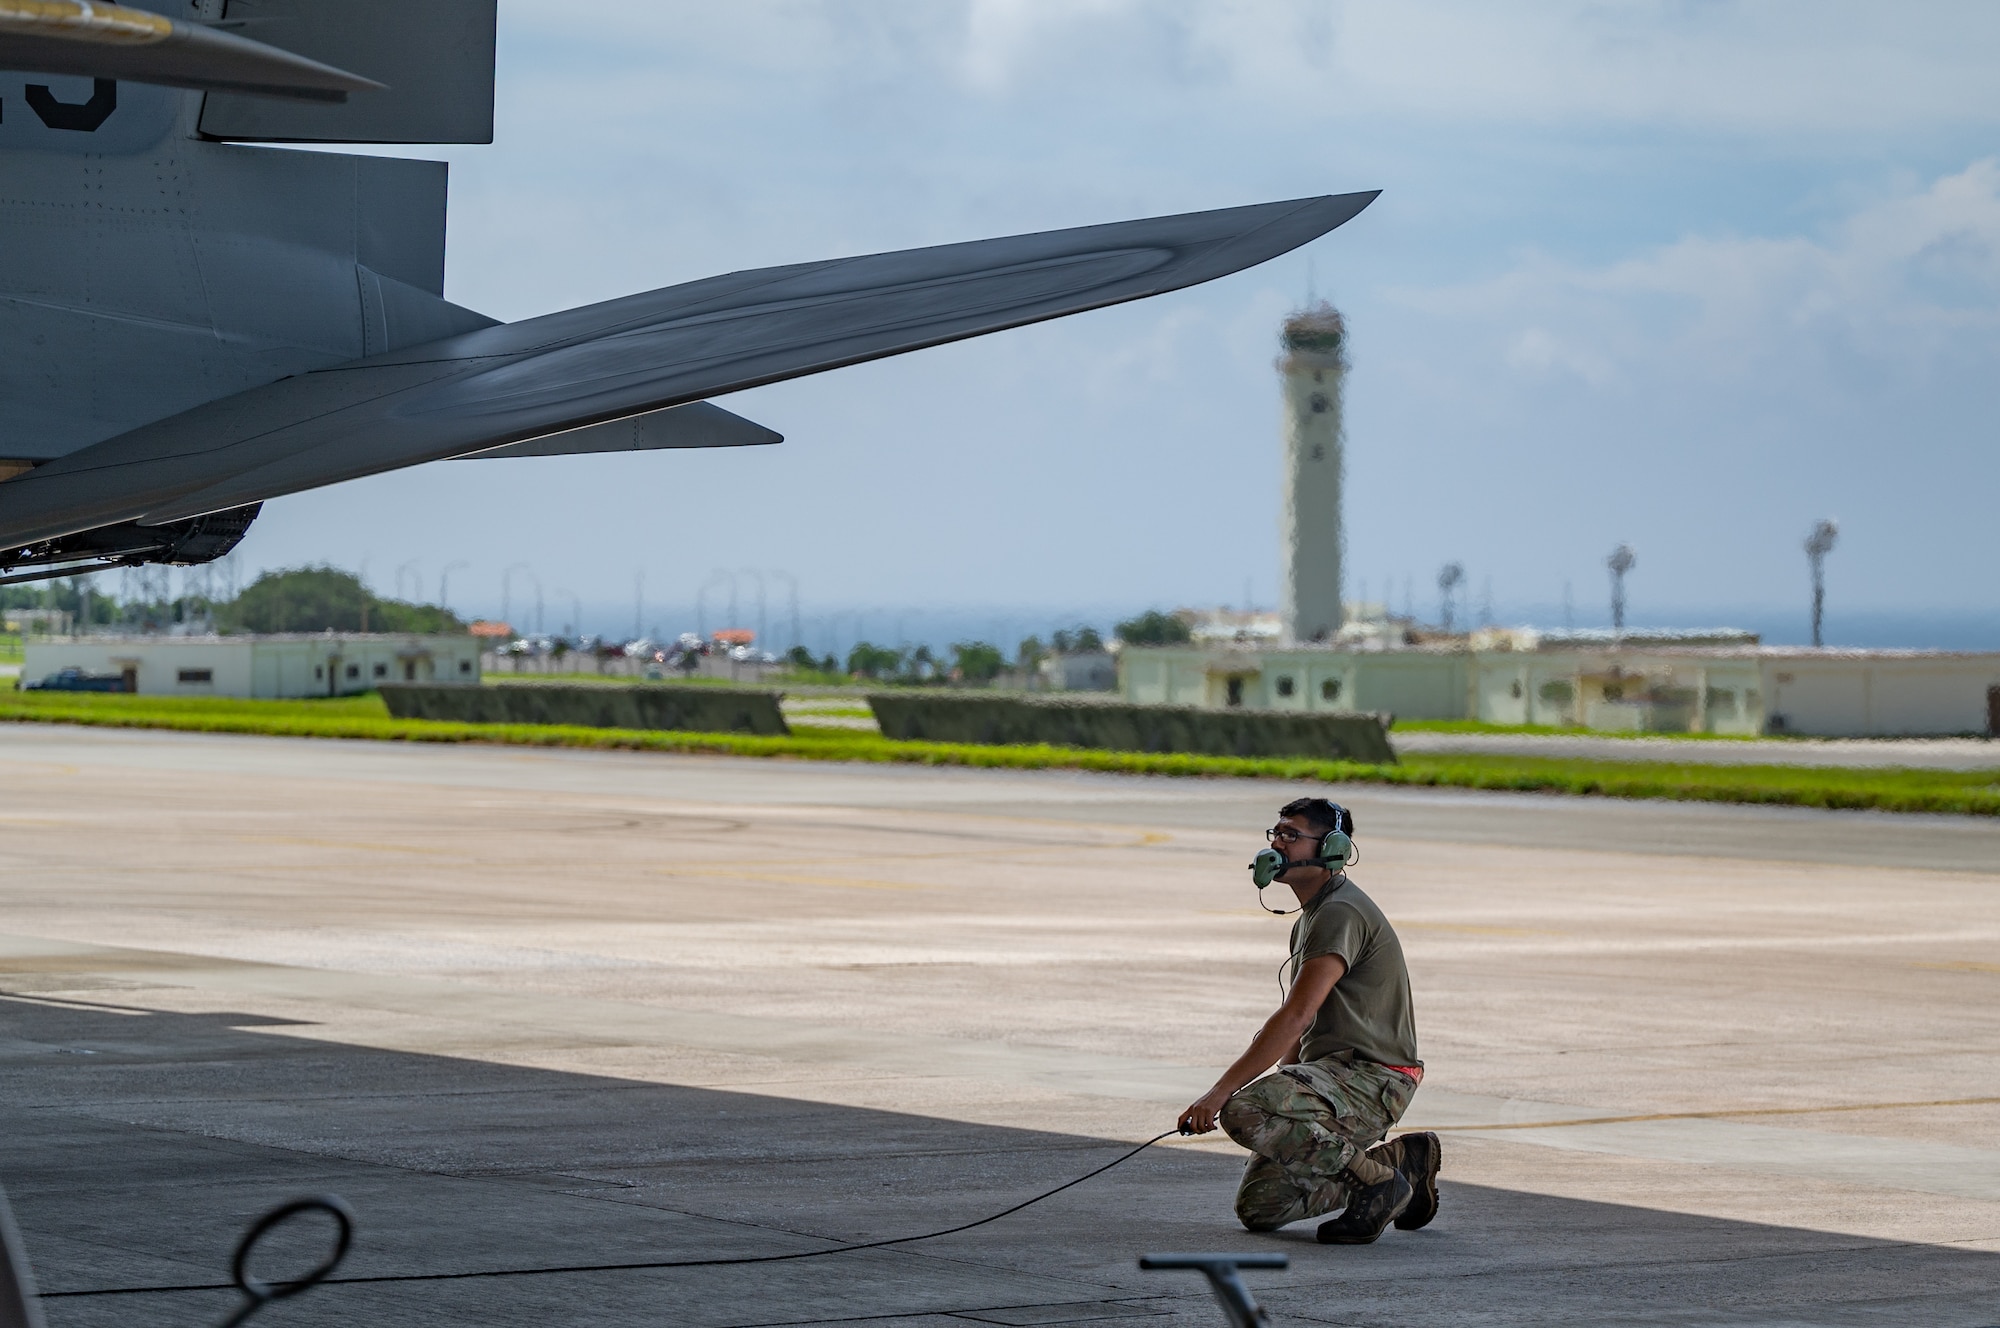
<point x="1234" y="696"/>
<point x="354" y="670"/>
<point x="1614" y="692"/>
<point x="465" y="666"/>
<point x="197" y="675"/>
<point x="319" y="671"/>
<point x="1329" y="690"/>
<point x="381" y="670"/>
<point x="1515" y="690"/>
<point x="1284" y="687"/>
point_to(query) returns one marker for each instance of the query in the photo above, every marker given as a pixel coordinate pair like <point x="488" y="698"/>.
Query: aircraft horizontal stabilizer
<point x="697" y="424"/>
<point x="628" y="357"/>
<point x="435" y="55"/>
<point x="115" y="41"/>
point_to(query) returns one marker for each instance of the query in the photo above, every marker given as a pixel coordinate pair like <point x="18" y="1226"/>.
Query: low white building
<point x="325" y="664"/>
<point x="1735" y="689"/>
<point x="1080" y="671"/>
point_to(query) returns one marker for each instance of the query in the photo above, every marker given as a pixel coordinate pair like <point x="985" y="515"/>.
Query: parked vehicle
<point x="76" y="680"/>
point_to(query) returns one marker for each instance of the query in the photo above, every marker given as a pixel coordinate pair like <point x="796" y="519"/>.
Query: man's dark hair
<point x="1322" y="815"/>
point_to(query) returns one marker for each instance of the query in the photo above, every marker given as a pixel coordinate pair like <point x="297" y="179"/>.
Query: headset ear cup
<point x="1335" y="850"/>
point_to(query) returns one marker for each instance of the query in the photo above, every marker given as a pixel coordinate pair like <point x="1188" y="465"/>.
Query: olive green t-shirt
<point x="1368" y="1016"/>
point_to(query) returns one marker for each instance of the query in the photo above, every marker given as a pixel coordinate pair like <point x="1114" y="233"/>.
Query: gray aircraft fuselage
<point x="144" y="271"/>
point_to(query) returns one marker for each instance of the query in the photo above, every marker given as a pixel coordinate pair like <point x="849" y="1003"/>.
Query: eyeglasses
<point x="1285" y="834"/>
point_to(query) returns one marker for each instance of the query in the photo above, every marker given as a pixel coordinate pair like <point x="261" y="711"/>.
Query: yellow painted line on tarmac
<point x="1726" y="1115"/>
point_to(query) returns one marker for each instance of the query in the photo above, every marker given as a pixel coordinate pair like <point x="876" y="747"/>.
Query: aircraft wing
<point x="99" y="40"/>
<point x="628" y="357"/>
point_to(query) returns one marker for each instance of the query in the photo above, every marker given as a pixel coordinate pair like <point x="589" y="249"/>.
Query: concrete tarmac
<point x="539" y="1011"/>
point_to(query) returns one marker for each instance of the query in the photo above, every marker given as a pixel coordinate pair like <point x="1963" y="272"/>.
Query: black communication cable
<point x="634" y="1267"/>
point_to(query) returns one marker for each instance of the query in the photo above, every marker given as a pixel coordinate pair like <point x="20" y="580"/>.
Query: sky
<point x="1686" y="275"/>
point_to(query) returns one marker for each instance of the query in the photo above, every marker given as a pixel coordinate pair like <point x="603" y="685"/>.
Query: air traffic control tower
<point x="1314" y="366"/>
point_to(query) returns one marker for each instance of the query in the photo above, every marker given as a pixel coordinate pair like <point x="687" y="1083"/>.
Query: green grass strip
<point x="1880" y="789"/>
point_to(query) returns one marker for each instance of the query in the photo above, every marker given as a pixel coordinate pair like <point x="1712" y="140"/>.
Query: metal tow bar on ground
<point x="1220" y="1270"/>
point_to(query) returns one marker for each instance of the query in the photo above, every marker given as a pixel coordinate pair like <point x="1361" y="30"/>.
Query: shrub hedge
<point x="654" y="706"/>
<point x="1022" y="720"/>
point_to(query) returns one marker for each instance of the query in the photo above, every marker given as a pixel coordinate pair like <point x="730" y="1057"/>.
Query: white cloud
<point x="1706" y="400"/>
<point x="1724" y="65"/>
<point x="1904" y="285"/>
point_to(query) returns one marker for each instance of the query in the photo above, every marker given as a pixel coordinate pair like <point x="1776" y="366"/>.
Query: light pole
<point x="1818" y="545"/>
<point x="444" y="582"/>
<point x="638" y="603"/>
<point x="576" y="610"/>
<point x="507" y="591"/>
<point x="751" y="571"/>
<point x="1448" y="578"/>
<point x="1621" y="561"/>
<point x="833" y="634"/>
<point x="701" y="600"/>
<point x="792" y="590"/>
<point x="410" y="568"/>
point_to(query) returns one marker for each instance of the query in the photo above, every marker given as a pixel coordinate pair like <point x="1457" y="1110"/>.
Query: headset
<point x="1336" y="849"/>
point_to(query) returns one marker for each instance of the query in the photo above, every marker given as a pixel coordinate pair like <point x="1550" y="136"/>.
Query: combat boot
<point x="1417" y="1159"/>
<point x="1368" y="1213"/>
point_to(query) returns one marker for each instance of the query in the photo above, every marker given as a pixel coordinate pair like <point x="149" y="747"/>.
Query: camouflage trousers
<point x="1310" y="1128"/>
